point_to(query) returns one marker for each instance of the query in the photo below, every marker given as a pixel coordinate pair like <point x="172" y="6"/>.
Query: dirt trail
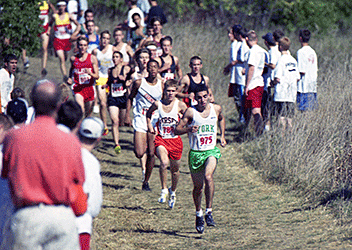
<point x="249" y="213"/>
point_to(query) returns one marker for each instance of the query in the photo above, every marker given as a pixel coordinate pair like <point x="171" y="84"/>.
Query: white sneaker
<point x="96" y="109"/>
<point x="163" y="197"/>
<point x="172" y="199"/>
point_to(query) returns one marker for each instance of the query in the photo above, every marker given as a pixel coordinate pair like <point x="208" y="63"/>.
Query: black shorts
<point x="120" y="102"/>
<point x="285" y="109"/>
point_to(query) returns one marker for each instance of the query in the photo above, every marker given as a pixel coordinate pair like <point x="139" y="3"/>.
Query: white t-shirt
<point x="256" y="58"/>
<point x="235" y="45"/>
<point x="130" y="22"/>
<point x="242" y="54"/>
<point x="105" y="61"/>
<point x="308" y="64"/>
<point x="93" y="187"/>
<point x="287" y="71"/>
<point x="6" y="86"/>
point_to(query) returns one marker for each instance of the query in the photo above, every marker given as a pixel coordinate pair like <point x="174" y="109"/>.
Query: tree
<point x="19" y="26"/>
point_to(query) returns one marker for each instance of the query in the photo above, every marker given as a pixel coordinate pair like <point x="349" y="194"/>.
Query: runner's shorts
<point x="173" y="146"/>
<point x="197" y="159"/>
<point x="120" y="102"/>
<point x="139" y="123"/>
<point x="254" y="98"/>
<point x="62" y="44"/>
<point x="84" y="90"/>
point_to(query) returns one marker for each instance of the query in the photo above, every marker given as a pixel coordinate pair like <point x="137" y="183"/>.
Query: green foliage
<point x="19" y="22"/>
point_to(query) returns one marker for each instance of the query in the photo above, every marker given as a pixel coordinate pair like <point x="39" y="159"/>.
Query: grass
<point x="310" y="164"/>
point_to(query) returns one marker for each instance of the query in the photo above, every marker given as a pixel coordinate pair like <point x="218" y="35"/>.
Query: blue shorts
<point x="307" y="101"/>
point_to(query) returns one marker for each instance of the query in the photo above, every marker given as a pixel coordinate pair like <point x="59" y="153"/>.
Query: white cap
<point x="61" y="3"/>
<point x="92" y="127"/>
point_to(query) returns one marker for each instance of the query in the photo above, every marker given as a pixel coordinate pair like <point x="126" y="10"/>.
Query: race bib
<point x="84" y="78"/>
<point x="117" y="90"/>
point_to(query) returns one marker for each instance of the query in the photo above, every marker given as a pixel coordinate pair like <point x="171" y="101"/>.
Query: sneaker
<point x="145" y="187"/>
<point x="163" y="197"/>
<point x="117" y="149"/>
<point x="172" y="199"/>
<point x="44" y="72"/>
<point x="26" y="63"/>
<point x="209" y="220"/>
<point x="106" y="132"/>
<point x="200" y="224"/>
<point x="96" y="109"/>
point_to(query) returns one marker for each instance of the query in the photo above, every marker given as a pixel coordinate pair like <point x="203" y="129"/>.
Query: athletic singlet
<point x="123" y="50"/>
<point x="146" y="96"/>
<point x="63" y="28"/>
<point x="169" y="73"/>
<point x="105" y="61"/>
<point x="80" y="76"/>
<point x="44" y="13"/>
<point x="93" y="45"/>
<point x="193" y="86"/>
<point x="117" y="86"/>
<point x="167" y="122"/>
<point x="159" y="50"/>
<point x="205" y="137"/>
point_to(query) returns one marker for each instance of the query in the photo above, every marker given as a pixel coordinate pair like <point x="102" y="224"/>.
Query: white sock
<point x="165" y="191"/>
<point x="208" y="211"/>
<point x="199" y="213"/>
<point x="172" y="192"/>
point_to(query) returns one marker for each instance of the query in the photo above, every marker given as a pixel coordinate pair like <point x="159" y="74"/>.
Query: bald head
<point x="45" y="97"/>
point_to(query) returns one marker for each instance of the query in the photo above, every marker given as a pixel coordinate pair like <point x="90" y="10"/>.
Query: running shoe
<point x="96" y="109"/>
<point x="117" y="149"/>
<point x="44" y="72"/>
<point x="209" y="220"/>
<point x="106" y="132"/>
<point x="145" y="187"/>
<point x="172" y="199"/>
<point x="200" y="224"/>
<point x="163" y="197"/>
<point x="26" y="63"/>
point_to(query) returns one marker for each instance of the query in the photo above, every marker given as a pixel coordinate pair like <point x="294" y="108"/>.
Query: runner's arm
<point x="211" y="96"/>
<point x="221" y="120"/>
<point x="70" y="74"/>
<point x="183" y="88"/>
<point x="132" y="95"/>
<point x="183" y="126"/>
<point x="149" y="117"/>
<point x="178" y="68"/>
<point x="94" y="74"/>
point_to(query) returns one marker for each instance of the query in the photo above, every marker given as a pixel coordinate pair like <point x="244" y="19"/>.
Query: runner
<point x="117" y="99"/>
<point x="169" y="64"/>
<point x="84" y="70"/>
<point x="92" y="36"/>
<point x="7" y="79"/>
<point x="138" y="33"/>
<point x="168" y="146"/>
<point x="200" y="122"/>
<point x="192" y="81"/>
<point x="63" y="32"/>
<point x="124" y="48"/>
<point x="157" y="35"/>
<point x="145" y="92"/>
<point x="88" y="16"/>
<point x="142" y="58"/>
<point x="104" y="57"/>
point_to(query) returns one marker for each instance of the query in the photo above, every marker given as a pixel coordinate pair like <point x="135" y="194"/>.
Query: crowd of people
<point x="54" y="180"/>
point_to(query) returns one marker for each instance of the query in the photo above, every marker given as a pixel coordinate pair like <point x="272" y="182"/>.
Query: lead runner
<point x="200" y="122"/>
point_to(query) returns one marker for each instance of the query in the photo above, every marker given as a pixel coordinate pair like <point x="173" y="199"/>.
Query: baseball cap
<point x="61" y="3"/>
<point x="17" y="110"/>
<point x="269" y="38"/>
<point x="92" y="127"/>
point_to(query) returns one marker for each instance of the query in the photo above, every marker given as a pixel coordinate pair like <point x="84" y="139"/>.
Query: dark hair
<point x="117" y="29"/>
<point x="195" y="58"/>
<point x="88" y="11"/>
<point x="133" y="2"/>
<point x="140" y="51"/>
<point x="45" y="97"/>
<point x="170" y="83"/>
<point x="117" y="52"/>
<point x="135" y="14"/>
<point x="17" y="110"/>
<point x="16" y="93"/>
<point x="166" y="38"/>
<point x="152" y="61"/>
<point x="10" y="57"/>
<point x="82" y="38"/>
<point x="89" y="21"/>
<point x="277" y="34"/>
<point x="305" y="35"/>
<point x="200" y="88"/>
<point x="285" y="43"/>
<point x="155" y="19"/>
<point x="69" y="114"/>
<point x="6" y="121"/>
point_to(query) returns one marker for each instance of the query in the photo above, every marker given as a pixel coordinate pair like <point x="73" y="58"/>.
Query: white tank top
<point x="168" y="121"/>
<point x="105" y="61"/>
<point x="123" y="50"/>
<point x="205" y="138"/>
<point x="146" y="96"/>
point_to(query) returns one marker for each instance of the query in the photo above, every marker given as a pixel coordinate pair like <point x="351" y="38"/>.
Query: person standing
<point x="308" y="69"/>
<point x="7" y="79"/>
<point x="45" y="171"/>
<point x="200" y="122"/>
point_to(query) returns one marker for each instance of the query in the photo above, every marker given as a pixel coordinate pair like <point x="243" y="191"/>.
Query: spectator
<point x="156" y="11"/>
<point x="7" y="79"/>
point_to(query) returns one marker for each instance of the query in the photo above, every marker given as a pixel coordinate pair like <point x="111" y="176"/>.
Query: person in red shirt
<point x="45" y="172"/>
<point x="84" y="71"/>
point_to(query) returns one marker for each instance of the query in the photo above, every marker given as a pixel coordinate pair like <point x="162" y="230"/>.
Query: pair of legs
<point x="163" y="155"/>
<point x="252" y="106"/>
<point x="144" y="150"/>
<point x="87" y="107"/>
<point x="102" y="97"/>
<point x="116" y="115"/>
<point x="62" y="55"/>
<point x="45" y="42"/>
<point x="239" y="100"/>
<point x="205" y="176"/>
